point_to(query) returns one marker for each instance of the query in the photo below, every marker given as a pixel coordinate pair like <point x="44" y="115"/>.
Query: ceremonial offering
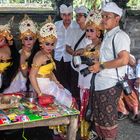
<point x="3" y="118"/>
<point x="31" y="96"/>
<point x="29" y="112"/>
<point x="10" y="100"/>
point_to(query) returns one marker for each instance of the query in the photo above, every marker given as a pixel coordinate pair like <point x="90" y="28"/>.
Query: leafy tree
<point x="88" y="3"/>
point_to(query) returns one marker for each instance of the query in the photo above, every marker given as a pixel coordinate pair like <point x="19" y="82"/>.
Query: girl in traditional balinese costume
<point x="28" y="37"/>
<point x="30" y="46"/>
<point x="41" y="75"/>
<point x="9" y="61"/>
<point x="94" y="32"/>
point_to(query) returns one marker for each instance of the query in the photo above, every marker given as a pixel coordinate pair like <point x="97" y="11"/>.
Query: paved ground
<point x="127" y="131"/>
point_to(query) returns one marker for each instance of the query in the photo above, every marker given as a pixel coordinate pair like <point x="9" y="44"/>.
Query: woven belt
<point x="44" y="76"/>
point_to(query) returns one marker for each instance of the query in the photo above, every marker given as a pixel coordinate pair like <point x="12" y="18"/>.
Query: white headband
<point x="113" y="8"/>
<point x="65" y="9"/>
<point x="81" y="9"/>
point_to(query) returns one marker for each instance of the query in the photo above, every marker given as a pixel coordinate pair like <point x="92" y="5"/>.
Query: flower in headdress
<point x="94" y="17"/>
<point x="27" y="27"/>
<point x="48" y="30"/>
<point x="5" y="30"/>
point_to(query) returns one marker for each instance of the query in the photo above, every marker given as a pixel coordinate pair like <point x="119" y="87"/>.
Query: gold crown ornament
<point x="5" y="30"/>
<point x="47" y="31"/>
<point x="27" y="27"/>
<point x="94" y="18"/>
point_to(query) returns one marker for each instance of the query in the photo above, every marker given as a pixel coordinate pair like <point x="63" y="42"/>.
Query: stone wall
<point x="132" y="27"/>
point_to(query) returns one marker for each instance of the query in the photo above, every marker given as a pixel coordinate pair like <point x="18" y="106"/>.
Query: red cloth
<point x="84" y="103"/>
<point x="45" y="100"/>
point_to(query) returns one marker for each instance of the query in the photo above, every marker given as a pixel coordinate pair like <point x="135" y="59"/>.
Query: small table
<point x="70" y="119"/>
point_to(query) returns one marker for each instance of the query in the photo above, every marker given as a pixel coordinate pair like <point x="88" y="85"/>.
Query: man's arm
<point x="69" y="50"/>
<point x="121" y="60"/>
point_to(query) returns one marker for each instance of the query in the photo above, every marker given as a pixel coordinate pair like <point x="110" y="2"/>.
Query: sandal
<point x="92" y="135"/>
<point x="135" y="118"/>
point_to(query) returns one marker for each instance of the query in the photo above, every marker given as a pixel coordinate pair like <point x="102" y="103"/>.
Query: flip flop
<point x="136" y="118"/>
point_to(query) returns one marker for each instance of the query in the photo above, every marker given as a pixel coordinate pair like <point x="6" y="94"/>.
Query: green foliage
<point x="133" y="3"/>
<point x="87" y="3"/>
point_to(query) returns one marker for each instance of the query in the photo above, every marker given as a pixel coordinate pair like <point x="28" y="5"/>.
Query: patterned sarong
<point x="105" y="111"/>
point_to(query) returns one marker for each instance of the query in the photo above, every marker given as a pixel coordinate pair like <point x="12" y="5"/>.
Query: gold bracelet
<point x="35" y="66"/>
<point x="102" y="66"/>
<point x="24" y="66"/>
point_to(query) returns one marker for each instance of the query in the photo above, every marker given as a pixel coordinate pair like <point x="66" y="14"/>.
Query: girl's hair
<point x="9" y="74"/>
<point x="34" y="50"/>
<point x="101" y="35"/>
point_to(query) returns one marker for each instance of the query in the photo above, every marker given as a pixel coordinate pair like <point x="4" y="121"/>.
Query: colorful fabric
<point x="105" y="111"/>
<point x="84" y="103"/>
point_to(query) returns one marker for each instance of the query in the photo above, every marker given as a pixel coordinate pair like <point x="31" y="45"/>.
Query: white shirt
<point x="83" y="82"/>
<point x="131" y="72"/>
<point x="107" y="78"/>
<point x="60" y="49"/>
<point x="75" y="35"/>
<point x="138" y="70"/>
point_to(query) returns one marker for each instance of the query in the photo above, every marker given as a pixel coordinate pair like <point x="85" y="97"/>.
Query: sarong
<point x="105" y="111"/>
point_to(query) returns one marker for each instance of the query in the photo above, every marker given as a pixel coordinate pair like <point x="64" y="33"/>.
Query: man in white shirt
<point x="72" y="46"/>
<point x="106" y="92"/>
<point x="62" y="58"/>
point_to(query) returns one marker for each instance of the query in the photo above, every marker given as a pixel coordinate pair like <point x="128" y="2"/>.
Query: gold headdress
<point x="94" y="18"/>
<point x="48" y="30"/>
<point x="27" y="27"/>
<point x="5" y="30"/>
